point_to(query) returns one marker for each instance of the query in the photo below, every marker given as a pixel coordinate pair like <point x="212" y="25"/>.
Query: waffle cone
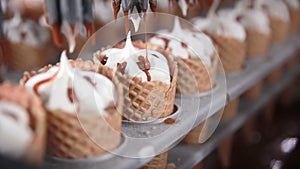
<point x="257" y="43"/>
<point x="21" y="56"/>
<point x="74" y="137"/>
<point x="194" y="76"/>
<point x="290" y="64"/>
<point x="295" y="20"/>
<point x="20" y="96"/>
<point x="145" y="100"/>
<point x="274" y="76"/>
<point x="158" y="162"/>
<point x="194" y="136"/>
<point x="232" y="52"/>
<point x="254" y="92"/>
<point x="230" y="110"/>
<point x="280" y="30"/>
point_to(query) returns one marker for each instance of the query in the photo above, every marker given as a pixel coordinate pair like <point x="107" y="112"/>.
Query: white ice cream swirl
<point x="15" y="132"/>
<point x="185" y="43"/>
<point x="72" y="90"/>
<point x="250" y="18"/>
<point x="133" y="59"/>
<point x="25" y="31"/>
<point x="295" y="4"/>
<point x="274" y="8"/>
<point x="220" y="26"/>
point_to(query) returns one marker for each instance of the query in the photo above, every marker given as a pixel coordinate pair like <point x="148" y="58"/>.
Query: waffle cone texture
<point x="158" y="162"/>
<point x="254" y="92"/>
<point x="274" y="76"/>
<point x="76" y="136"/>
<point x="232" y="52"/>
<point x="295" y="20"/>
<point x="37" y="115"/>
<point x="257" y="43"/>
<point x="280" y="30"/>
<point x="230" y="110"/>
<point x="194" y="76"/>
<point x="145" y="100"/>
<point x="21" y="56"/>
<point x="194" y="136"/>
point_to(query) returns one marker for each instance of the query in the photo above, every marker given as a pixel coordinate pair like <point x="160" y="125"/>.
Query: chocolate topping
<point x="144" y="65"/>
<point x="103" y="59"/>
<point x="121" y="67"/>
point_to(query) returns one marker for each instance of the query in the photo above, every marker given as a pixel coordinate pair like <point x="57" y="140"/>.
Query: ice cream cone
<point x="232" y="52"/>
<point x="148" y="100"/>
<point x="21" y="56"/>
<point x="158" y="162"/>
<point x="68" y="138"/>
<point x="290" y="64"/>
<point x="171" y="166"/>
<point x="225" y="151"/>
<point x="295" y="20"/>
<point x="280" y="30"/>
<point x="274" y="76"/>
<point x="257" y="43"/>
<point x="231" y="109"/>
<point x="195" y="136"/>
<point x="20" y="96"/>
<point x="254" y="92"/>
<point x="194" y="76"/>
<point x="76" y="136"/>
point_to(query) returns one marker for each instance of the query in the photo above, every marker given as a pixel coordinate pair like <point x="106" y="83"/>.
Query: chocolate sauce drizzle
<point x="103" y="59"/>
<point x="11" y="115"/>
<point x="37" y="85"/>
<point x="121" y="67"/>
<point x="144" y="65"/>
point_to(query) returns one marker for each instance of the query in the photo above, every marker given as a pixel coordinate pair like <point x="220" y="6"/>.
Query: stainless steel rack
<point x="194" y="110"/>
<point x="187" y="156"/>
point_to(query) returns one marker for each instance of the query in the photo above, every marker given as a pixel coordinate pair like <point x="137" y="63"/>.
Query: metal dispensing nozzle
<point x="203" y="4"/>
<point x="129" y="5"/>
<point x="71" y="12"/>
<point x="1" y="21"/>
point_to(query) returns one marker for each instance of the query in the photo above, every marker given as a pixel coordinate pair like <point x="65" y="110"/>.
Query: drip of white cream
<point x="15" y="134"/>
<point x="136" y="20"/>
<point x="66" y="30"/>
<point x="159" y="70"/>
<point x="43" y="22"/>
<point x="213" y="8"/>
<point x="90" y="98"/>
<point x="183" y="6"/>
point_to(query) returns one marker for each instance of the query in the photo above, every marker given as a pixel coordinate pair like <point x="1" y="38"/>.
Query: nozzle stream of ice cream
<point x="184" y="7"/>
<point x="136" y="20"/>
<point x="65" y="67"/>
<point x="213" y="9"/>
<point x="129" y="48"/>
<point x="176" y="26"/>
<point x="67" y="31"/>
